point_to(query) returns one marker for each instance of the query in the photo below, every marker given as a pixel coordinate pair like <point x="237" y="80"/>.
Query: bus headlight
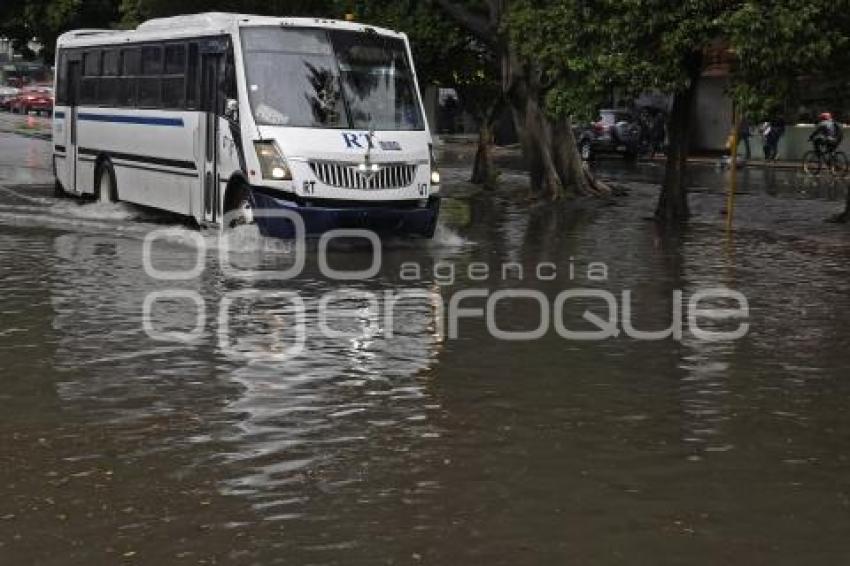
<point x="435" y="173"/>
<point x="272" y="164"/>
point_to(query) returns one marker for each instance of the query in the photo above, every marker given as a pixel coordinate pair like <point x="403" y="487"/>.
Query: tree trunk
<point x="548" y="145"/>
<point x="569" y="164"/>
<point x="482" y="167"/>
<point x="673" y="203"/>
<point x="536" y="143"/>
<point x="483" y="172"/>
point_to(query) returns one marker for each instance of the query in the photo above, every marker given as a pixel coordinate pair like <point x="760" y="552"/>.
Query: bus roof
<point x="192" y="25"/>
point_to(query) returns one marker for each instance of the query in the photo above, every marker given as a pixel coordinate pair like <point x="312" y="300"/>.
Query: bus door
<point x="71" y="141"/>
<point x="212" y="102"/>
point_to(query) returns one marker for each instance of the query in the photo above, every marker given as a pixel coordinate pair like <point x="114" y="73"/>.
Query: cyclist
<point x="827" y="135"/>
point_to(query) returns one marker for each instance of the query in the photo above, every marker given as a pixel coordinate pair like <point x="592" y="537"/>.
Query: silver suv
<point x="616" y="131"/>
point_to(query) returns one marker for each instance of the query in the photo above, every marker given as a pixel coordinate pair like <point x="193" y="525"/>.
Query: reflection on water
<point x="290" y="425"/>
<point x="408" y="446"/>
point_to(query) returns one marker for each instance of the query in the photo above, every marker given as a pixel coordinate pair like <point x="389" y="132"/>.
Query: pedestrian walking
<point x="772" y="131"/>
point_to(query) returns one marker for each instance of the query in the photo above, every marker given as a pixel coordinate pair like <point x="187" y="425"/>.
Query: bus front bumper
<point x="392" y="219"/>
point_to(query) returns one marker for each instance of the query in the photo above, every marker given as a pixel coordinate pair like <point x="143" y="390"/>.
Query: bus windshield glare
<point x="317" y="78"/>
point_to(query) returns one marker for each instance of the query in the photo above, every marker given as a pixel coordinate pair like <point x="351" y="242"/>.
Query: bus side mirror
<point x="231" y="110"/>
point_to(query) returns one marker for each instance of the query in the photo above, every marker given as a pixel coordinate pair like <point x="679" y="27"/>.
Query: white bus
<point x="220" y="116"/>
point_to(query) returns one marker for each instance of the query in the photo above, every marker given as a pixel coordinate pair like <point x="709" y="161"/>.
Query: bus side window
<point x="62" y="79"/>
<point x="150" y="95"/>
<point x="173" y="83"/>
<point x="91" y="74"/>
<point x="131" y="61"/>
<point x="107" y="93"/>
<point x="192" y="78"/>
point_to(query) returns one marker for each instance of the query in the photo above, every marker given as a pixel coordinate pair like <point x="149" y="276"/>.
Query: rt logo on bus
<point x="354" y="140"/>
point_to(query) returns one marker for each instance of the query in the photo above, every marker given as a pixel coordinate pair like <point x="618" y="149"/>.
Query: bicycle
<point x="835" y="162"/>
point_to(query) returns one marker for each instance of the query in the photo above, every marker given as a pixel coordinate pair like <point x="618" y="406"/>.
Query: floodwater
<point x="417" y="447"/>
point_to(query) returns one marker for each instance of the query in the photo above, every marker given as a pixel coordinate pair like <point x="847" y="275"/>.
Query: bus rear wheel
<point x="106" y="188"/>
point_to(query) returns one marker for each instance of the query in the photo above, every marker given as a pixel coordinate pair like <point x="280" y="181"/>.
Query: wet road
<point x="416" y="447"/>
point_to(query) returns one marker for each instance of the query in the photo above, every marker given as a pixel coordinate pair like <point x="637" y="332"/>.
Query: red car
<point x="38" y="98"/>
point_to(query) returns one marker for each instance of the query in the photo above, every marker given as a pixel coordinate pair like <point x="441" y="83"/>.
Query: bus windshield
<point x="319" y="78"/>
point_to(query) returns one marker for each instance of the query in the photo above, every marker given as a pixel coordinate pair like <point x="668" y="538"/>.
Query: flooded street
<point x="409" y="446"/>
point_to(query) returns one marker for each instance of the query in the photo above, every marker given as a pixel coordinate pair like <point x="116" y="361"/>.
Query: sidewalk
<point x="714" y="159"/>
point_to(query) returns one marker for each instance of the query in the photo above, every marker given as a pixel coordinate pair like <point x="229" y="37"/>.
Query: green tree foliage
<point x="783" y="46"/>
<point x="574" y="69"/>
<point x="44" y="20"/>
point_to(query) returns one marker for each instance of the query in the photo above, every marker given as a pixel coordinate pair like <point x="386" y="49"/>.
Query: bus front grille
<point x="350" y="175"/>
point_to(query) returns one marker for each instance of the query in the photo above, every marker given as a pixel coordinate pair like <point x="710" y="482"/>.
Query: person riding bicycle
<point x="827" y="135"/>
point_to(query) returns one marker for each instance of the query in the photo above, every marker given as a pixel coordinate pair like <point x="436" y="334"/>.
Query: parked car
<point x="7" y="93"/>
<point x="616" y="131"/>
<point x="37" y="97"/>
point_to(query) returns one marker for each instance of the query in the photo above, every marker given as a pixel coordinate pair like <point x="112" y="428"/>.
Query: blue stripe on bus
<point x="59" y="115"/>
<point x="147" y="120"/>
